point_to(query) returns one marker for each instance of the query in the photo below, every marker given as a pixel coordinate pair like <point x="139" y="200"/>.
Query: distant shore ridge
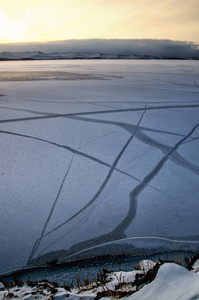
<point x="38" y="55"/>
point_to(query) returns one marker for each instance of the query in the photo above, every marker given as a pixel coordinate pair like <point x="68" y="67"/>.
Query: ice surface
<point x="86" y="163"/>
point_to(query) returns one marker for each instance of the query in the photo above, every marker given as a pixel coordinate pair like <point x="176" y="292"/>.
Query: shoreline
<point x="52" y="268"/>
<point x="145" y="279"/>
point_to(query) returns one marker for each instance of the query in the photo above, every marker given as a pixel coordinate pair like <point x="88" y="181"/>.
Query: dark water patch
<point x="66" y="273"/>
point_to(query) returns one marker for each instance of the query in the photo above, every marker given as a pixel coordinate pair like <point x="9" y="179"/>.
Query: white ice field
<point x="97" y="157"/>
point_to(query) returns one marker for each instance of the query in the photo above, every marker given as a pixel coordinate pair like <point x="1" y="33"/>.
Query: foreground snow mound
<point x="172" y="282"/>
<point x="121" y="280"/>
<point x="43" y="291"/>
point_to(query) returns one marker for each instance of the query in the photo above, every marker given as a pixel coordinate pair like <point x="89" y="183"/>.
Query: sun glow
<point x="48" y="20"/>
<point x="11" y="30"/>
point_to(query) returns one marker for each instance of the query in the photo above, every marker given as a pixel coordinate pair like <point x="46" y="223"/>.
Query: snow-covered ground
<point x="103" y="161"/>
<point x="150" y="281"/>
<point x="172" y="282"/>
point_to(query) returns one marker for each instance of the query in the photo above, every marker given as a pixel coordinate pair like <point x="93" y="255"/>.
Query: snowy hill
<point x="38" y="55"/>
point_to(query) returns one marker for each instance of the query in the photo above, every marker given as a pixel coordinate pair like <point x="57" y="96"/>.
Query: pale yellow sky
<point x="49" y="20"/>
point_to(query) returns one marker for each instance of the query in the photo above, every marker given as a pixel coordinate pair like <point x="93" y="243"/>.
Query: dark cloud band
<point x="153" y="47"/>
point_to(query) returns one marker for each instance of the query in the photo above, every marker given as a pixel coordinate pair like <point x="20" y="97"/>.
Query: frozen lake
<point x="97" y="157"/>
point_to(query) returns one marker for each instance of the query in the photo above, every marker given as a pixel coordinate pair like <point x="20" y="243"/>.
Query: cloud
<point x="153" y="47"/>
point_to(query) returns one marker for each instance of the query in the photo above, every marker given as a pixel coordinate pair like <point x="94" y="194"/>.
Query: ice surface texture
<point x="86" y="164"/>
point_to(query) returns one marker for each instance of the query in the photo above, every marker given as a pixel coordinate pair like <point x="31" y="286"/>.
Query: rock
<point x="146" y="265"/>
<point x="2" y="286"/>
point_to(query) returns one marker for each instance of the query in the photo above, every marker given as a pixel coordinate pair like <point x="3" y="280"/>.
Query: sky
<point x="56" y="20"/>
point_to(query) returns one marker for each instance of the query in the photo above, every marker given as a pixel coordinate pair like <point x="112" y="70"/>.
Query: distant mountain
<point x="38" y="55"/>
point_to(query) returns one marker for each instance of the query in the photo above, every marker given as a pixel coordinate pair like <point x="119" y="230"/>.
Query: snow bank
<point x="172" y="282"/>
